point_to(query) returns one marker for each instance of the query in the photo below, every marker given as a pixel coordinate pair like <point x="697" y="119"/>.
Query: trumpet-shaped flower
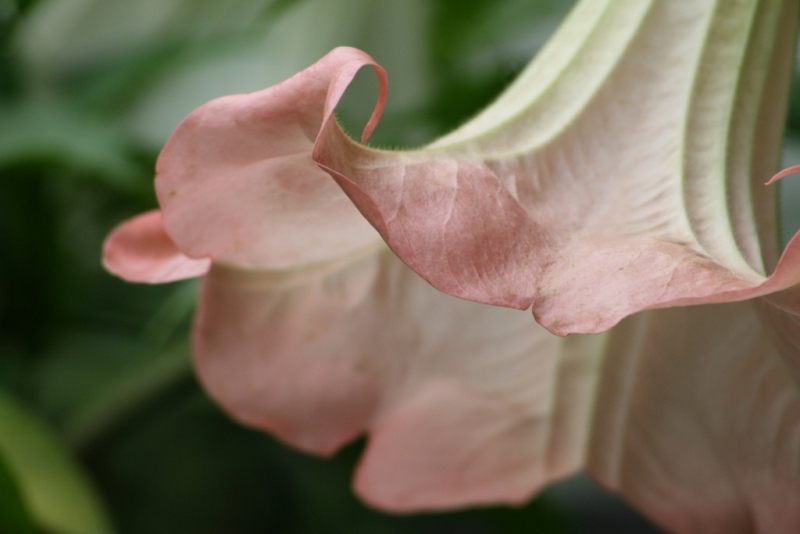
<point x="619" y="177"/>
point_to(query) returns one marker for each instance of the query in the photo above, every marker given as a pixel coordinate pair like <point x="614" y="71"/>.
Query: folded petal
<point x="463" y="403"/>
<point x="236" y="181"/>
<point x="139" y="250"/>
<point x="637" y="192"/>
<point x="698" y="422"/>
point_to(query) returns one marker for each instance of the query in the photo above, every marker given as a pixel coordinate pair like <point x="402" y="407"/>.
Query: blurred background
<point x="102" y="425"/>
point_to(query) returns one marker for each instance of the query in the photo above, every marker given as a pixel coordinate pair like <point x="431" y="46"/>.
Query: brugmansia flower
<point x="620" y="176"/>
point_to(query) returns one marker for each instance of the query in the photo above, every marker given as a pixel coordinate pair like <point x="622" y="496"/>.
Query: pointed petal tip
<point x="783" y="174"/>
<point x="139" y="250"/>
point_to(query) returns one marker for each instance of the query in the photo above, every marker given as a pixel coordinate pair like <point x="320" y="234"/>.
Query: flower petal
<point x="139" y="250"/>
<point x="698" y="422"/>
<point x="236" y="181"/>
<point x="639" y="196"/>
<point x="464" y="403"/>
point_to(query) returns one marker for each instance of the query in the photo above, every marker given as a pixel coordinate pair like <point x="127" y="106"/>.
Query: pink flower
<point x="310" y="328"/>
<point x="619" y="176"/>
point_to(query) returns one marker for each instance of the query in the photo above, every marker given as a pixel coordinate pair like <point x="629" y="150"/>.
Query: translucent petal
<point x="463" y="403"/>
<point x="698" y="422"/>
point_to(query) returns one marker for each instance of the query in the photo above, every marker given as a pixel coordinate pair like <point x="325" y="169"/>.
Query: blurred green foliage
<point x="14" y="515"/>
<point x="105" y="400"/>
<point x="40" y="484"/>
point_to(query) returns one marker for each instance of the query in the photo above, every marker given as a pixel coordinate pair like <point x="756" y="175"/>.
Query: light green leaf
<point x="14" y="516"/>
<point x="58" y="494"/>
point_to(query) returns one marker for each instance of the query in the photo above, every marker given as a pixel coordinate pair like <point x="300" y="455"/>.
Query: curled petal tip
<point x="783" y="174"/>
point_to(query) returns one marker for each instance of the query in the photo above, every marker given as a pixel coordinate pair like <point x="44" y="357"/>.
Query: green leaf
<point x="58" y="494"/>
<point x="14" y="516"/>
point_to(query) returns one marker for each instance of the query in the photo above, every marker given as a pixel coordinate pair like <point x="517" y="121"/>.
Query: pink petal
<point x="236" y="181"/>
<point x="698" y="422"/>
<point x="461" y="401"/>
<point x="783" y="174"/>
<point x="457" y="225"/>
<point x="451" y="221"/>
<point x="140" y="251"/>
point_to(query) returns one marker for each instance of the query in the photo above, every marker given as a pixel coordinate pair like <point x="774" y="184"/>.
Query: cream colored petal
<point x="617" y="175"/>
<point x="698" y="422"/>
